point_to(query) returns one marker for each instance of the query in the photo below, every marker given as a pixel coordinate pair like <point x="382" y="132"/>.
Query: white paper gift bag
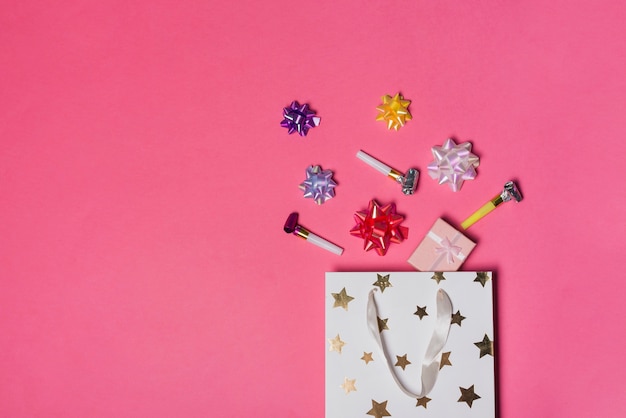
<point x="410" y="344"/>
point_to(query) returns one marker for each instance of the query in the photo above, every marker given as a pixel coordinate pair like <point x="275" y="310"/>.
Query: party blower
<point x="408" y="181"/>
<point x="292" y="227"/>
<point x="510" y="192"/>
<point x="444" y="248"/>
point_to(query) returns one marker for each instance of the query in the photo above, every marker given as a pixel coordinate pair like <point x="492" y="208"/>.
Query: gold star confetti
<point x="485" y="346"/>
<point x="402" y="361"/>
<point x="367" y="357"/>
<point x="438" y="277"/>
<point x="342" y="299"/>
<point x="348" y="385"/>
<point x="481" y="278"/>
<point x="379" y="410"/>
<point x="468" y="395"/>
<point x="382" y="282"/>
<point x="394" y="110"/>
<point x="445" y="360"/>
<point x="382" y="324"/>
<point x="457" y="318"/>
<point x="421" y="312"/>
<point x="423" y="401"/>
<point x="336" y="344"/>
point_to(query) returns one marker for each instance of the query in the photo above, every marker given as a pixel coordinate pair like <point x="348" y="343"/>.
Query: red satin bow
<point x="379" y="226"/>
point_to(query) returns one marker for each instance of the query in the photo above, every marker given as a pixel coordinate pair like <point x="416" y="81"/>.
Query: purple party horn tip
<point x="291" y="223"/>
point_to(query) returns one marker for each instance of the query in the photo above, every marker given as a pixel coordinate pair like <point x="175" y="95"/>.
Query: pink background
<point x="144" y="181"/>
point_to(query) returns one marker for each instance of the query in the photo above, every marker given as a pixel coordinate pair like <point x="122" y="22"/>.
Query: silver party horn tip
<point x="407" y="181"/>
<point x="510" y="192"/>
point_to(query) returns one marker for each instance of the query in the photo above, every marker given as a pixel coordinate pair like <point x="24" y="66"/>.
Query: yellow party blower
<point x="510" y="192"/>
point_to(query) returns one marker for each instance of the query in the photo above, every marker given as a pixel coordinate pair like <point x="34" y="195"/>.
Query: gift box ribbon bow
<point x="447" y="249"/>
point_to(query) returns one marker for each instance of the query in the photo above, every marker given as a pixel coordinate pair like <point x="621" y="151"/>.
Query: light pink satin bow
<point x="448" y="249"/>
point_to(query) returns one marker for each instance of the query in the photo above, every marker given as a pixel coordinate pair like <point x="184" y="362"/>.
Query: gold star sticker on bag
<point x="342" y="299"/>
<point x="336" y="344"/>
<point x="382" y="282"/>
<point x="438" y="277"/>
<point x="379" y="410"/>
<point x="382" y="324"/>
<point x="348" y="385"/>
<point x="445" y="360"/>
<point x="457" y="318"/>
<point x="468" y="396"/>
<point x="485" y="346"/>
<point x="402" y="361"/>
<point x="367" y="357"/>
<point x="481" y="278"/>
<point x="421" y="312"/>
<point x="423" y="401"/>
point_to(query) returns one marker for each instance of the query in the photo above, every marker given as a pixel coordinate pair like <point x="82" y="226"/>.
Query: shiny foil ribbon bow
<point x="318" y="185"/>
<point x="379" y="226"/>
<point x="394" y="111"/>
<point x="299" y="118"/>
<point x="453" y="164"/>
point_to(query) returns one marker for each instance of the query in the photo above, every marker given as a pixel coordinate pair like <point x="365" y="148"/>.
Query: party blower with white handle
<point x="408" y="181"/>
<point x="292" y="227"/>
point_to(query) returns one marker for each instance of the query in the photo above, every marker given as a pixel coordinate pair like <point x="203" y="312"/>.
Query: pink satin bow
<point x="448" y="249"/>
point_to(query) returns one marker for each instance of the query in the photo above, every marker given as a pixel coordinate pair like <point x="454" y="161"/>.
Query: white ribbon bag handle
<point x="432" y="358"/>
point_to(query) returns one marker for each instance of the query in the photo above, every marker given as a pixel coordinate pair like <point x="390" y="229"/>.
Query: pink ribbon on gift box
<point x="447" y="250"/>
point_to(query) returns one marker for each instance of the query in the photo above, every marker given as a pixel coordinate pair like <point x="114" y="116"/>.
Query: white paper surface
<point x="408" y="335"/>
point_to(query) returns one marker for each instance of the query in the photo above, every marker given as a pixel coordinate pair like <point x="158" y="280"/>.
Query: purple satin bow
<point x="319" y="184"/>
<point x="299" y="118"/>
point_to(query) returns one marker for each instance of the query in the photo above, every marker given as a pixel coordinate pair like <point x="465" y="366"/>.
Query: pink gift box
<point x="442" y="249"/>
